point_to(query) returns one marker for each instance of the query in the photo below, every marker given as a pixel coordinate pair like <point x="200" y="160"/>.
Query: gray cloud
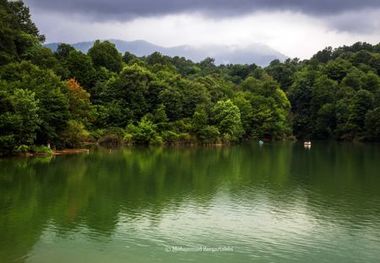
<point x="126" y="9"/>
<point x="361" y="21"/>
<point x="235" y="22"/>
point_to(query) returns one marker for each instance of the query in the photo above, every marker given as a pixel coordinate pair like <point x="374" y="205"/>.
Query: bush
<point x="41" y="149"/>
<point x="95" y="135"/>
<point x="170" y="137"/>
<point x="7" y="143"/>
<point x="75" y="134"/>
<point x="209" y="134"/>
<point x="144" y="133"/>
<point x="113" y="137"/>
<point x="183" y="125"/>
<point x="156" y="140"/>
<point x="128" y="138"/>
<point x="111" y="140"/>
<point x="22" y="149"/>
<point x="185" y="138"/>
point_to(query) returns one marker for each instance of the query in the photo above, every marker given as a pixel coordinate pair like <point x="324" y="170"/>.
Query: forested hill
<point x="256" y="53"/>
<point x="67" y="97"/>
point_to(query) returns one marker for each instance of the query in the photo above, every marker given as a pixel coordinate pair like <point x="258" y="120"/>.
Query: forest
<point x="68" y="99"/>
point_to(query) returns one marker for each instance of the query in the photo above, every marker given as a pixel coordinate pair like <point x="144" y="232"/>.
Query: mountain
<point x="256" y="53"/>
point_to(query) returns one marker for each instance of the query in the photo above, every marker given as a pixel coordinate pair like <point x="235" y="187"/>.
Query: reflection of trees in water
<point x="93" y="190"/>
<point x="22" y="217"/>
<point x="340" y="181"/>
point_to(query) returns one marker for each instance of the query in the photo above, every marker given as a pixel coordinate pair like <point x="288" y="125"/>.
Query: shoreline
<point x="70" y="151"/>
<point x="52" y="153"/>
<point x="174" y="145"/>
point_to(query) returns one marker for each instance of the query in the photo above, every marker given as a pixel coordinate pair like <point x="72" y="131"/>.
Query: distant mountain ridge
<point x="256" y="53"/>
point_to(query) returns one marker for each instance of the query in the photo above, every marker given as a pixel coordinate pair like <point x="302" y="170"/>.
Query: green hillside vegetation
<point x="68" y="98"/>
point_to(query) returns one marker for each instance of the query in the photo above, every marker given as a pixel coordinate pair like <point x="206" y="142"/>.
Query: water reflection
<point x="275" y="202"/>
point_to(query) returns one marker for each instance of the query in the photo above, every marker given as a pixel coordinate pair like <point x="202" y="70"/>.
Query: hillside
<point x="257" y="53"/>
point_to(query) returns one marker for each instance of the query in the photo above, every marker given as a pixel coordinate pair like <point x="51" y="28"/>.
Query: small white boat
<point x="307" y="145"/>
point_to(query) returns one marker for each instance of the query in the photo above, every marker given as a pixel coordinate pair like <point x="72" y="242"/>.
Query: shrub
<point x="41" y="149"/>
<point x="170" y="137"/>
<point x="128" y="138"/>
<point x="209" y="134"/>
<point x="156" y="140"/>
<point x="75" y="134"/>
<point x="144" y="133"/>
<point x="22" y="149"/>
<point x="111" y="140"/>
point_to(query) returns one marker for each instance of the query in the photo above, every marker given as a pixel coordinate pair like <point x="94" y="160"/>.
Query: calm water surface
<point x="276" y="203"/>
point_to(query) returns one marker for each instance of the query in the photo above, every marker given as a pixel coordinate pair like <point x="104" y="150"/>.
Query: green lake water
<point x="275" y="203"/>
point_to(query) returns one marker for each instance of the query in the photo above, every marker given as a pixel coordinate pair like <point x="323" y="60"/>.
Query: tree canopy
<point x="67" y="97"/>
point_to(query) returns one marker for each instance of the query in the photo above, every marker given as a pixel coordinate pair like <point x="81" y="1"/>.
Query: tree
<point x="208" y="134"/>
<point x="63" y="51"/>
<point x="283" y="73"/>
<point x="362" y="103"/>
<point x="337" y="69"/>
<point x="74" y="134"/>
<point x="160" y="118"/>
<point x="207" y="66"/>
<point x="81" y="68"/>
<point x="53" y="105"/>
<point x="324" y="55"/>
<point x="144" y="133"/>
<point x="45" y="97"/>
<point x="79" y="102"/>
<point x="105" y="54"/>
<point x="217" y="87"/>
<point x="226" y="116"/>
<point x="19" y="118"/>
<point x="17" y="31"/>
<point x="44" y="58"/>
<point x="194" y="94"/>
<point x="371" y="82"/>
<point x="322" y="107"/>
<point x="22" y="19"/>
<point x="130" y="89"/>
<point x="129" y="58"/>
<point x="200" y="118"/>
<point x="353" y="79"/>
<point x="157" y="58"/>
<point x="269" y="110"/>
<point x="243" y="101"/>
<point x="325" y="122"/>
<point x="300" y="96"/>
<point x="172" y="98"/>
<point x="112" y="114"/>
<point x="372" y="124"/>
<point x="238" y="73"/>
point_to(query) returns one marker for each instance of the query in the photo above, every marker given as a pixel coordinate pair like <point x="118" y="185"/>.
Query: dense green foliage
<point x="65" y="98"/>
<point x="17" y="32"/>
<point x="336" y="94"/>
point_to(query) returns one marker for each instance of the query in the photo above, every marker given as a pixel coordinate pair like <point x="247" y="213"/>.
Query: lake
<point x="278" y="202"/>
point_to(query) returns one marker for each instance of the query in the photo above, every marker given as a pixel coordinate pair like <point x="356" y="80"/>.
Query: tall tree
<point x="105" y="54"/>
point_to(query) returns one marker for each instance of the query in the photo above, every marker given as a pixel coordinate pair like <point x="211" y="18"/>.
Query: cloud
<point x="123" y="10"/>
<point x="293" y="34"/>
<point x="359" y="21"/>
<point x="296" y="28"/>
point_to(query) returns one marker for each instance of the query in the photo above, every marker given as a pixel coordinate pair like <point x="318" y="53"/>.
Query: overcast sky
<point x="297" y="28"/>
